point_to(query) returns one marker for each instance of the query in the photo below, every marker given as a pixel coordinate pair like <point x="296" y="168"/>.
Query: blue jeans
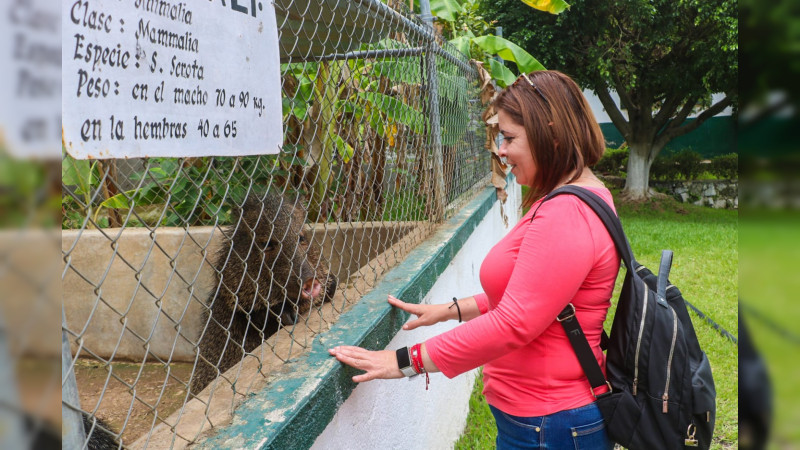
<point x="579" y="428"/>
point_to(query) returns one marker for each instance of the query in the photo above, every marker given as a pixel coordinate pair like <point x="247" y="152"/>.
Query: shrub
<point x="663" y="168"/>
<point x="688" y="163"/>
<point x="613" y="162"/>
<point x="725" y="166"/>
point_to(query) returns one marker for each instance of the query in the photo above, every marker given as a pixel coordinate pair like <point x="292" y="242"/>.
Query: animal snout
<point x="311" y="289"/>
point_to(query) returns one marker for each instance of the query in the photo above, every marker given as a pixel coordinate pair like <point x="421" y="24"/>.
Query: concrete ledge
<point x="304" y="394"/>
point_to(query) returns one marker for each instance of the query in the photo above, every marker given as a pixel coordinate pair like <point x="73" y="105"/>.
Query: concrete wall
<point x="133" y="291"/>
<point x="312" y="402"/>
<point x="401" y="413"/>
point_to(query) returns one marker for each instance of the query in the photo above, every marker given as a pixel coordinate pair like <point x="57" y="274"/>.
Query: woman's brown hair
<point x="563" y="135"/>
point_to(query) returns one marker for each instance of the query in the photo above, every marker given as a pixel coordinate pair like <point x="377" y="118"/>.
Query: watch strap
<point x="404" y="362"/>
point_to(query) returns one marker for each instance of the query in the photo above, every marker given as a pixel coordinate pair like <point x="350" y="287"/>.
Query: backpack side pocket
<point x="704" y="407"/>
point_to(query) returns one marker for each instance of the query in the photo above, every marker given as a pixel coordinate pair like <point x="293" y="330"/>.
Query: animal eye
<point x="302" y="239"/>
<point x="272" y="245"/>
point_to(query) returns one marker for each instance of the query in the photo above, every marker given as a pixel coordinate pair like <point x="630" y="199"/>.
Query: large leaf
<point x="453" y="87"/>
<point x="119" y="201"/>
<point x="78" y="173"/>
<point x="350" y="107"/>
<point x="376" y="121"/>
<point x="509" y="51"/>
<point x="551" y="6"/>
<point x="403" y="71"/>
<point x="395" y="109"/>
<point x="446" y="9"/>
<point x="344" y="149"/>
<point x="500" y="73"/>
<point x="462" y="44"/>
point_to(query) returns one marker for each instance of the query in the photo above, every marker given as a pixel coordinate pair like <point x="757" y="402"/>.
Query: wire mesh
<point x="188" y="281"/>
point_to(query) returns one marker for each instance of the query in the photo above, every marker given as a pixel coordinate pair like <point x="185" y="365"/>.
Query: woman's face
<point x="514" y="148"/>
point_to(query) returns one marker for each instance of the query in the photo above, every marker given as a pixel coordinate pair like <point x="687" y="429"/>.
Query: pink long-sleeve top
<point x="564" y="255"/>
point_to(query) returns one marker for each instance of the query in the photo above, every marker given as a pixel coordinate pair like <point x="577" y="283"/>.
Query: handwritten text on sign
<point x="169" y="78"/>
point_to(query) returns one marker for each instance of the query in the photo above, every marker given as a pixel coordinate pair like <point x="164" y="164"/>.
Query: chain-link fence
<point x="192" y="279"/>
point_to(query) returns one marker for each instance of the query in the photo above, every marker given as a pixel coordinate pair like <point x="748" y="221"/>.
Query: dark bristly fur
<point x="260" y="272"/>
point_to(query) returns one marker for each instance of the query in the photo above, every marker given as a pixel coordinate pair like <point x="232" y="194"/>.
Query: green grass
<point x="770" y="245"/>
<point x="705" y="268"/>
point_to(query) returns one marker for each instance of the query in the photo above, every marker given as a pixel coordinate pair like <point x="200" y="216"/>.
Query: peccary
<point x="45" y="436"/>
<point x="99" y="435"/>
<point x="268" y="274"/>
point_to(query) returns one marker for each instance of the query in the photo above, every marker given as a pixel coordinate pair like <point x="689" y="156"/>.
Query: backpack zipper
<point x="639" y="344"/>
<point x="665" y="397"/>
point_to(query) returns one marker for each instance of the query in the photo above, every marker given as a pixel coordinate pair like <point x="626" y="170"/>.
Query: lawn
<point x="705" y="268"/>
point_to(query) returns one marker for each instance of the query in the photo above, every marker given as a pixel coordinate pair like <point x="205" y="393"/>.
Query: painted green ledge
<point x="301" y="400"/>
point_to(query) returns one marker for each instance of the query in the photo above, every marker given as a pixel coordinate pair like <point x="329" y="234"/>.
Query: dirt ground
<point x="111" y="389"/>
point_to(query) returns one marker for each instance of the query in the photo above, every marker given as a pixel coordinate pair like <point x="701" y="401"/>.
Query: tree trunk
<point x="638" y="182"/>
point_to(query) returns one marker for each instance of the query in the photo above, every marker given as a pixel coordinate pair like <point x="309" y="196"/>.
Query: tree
<point x="663" y="58"/>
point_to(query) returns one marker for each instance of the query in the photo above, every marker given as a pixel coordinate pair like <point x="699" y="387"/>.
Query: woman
<point x="559" y="253"/>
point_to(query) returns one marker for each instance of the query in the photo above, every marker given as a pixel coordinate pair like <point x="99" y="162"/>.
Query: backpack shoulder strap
<point x="567" y="317"/>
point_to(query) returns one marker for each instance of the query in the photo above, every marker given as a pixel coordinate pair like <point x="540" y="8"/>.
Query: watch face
<point x="403" y="360"/>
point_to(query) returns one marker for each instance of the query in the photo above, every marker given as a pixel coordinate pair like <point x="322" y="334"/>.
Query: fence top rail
<point x="390" y="53"/>
<point x="376" y="12"/>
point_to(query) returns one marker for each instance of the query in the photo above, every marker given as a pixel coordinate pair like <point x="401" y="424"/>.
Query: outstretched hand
<point x="426" y="314"/>
<point x="377" y="364"/>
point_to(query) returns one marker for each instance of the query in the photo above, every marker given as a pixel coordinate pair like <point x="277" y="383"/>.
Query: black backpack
<point x="662" y="390"/>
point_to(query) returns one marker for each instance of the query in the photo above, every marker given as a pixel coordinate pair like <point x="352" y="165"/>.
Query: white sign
<point x="170" y="78"/>
<point x="30" y="78"/>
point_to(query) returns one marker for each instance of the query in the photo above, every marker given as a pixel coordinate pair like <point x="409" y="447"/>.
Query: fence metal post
<point x="498" y="31"/>
<point x="72" y="433"/>
<point x="435" y="137"/>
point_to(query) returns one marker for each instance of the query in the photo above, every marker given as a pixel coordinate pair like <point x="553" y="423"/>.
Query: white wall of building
<point x="389" y="414"/>
<point x="602" y="116"/>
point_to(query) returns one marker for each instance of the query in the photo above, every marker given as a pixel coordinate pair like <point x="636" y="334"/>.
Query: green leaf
<point x="453" y="88"/>
<point x="462" y="44"/>
<point x="295" y="107"/>
<point x="446" y="9"/>
<point x="551" y="6"/>
<point x="119" y="201"/>
<point x="345" y="150"/>
<point x="509" y="51"/>
<point x="376" y="122"/>
<point x="349" y="107"/>
<point x="149" y="195"/>
<point x="501" y="74"/>
<point x="78" y="173"/>
<point x="395" y="109"/>
<point x="399" y="71"/>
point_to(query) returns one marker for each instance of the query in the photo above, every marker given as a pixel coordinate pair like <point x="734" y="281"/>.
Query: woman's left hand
<point x="377" y="364"/>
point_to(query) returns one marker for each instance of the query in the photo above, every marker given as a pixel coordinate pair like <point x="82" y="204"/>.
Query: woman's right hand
<point x="426" y="314"/>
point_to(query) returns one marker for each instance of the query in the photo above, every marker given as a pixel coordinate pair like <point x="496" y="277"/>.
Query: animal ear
<point x="248" y="204"/>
